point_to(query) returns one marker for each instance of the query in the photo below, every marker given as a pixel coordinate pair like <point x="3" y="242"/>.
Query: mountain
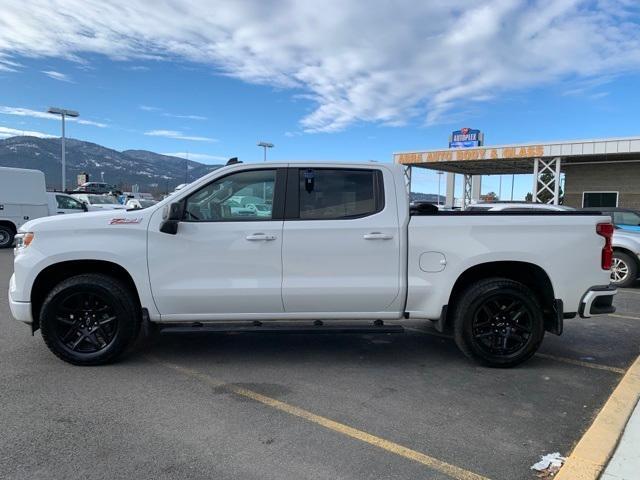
<point x="426" y="197"/>
<point x="153" y="172"/>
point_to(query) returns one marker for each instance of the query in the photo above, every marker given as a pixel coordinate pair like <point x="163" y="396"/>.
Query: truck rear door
<point x="341" y="244"/>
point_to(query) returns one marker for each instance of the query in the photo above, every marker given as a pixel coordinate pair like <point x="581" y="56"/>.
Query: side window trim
<point x="292" y="203"/>
<point x="277" y="211"/>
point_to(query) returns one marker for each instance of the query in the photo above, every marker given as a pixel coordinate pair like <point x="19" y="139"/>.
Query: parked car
<point x="138" y="203"/>
<point x="623" y="218"/>
<point x="99" y="202"/>
<point x="95" y="187"/>
<point x="626" y="258"/>
<point x="340" y="244"/>
<point x="61" y="203"/>
<point x="23" y="197"/>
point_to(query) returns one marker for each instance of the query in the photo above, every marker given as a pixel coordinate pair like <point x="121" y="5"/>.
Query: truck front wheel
<point x="498" y="322"/>
<point x="89" y="319"/>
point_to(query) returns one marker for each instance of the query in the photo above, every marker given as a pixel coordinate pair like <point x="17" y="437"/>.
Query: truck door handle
<point x="256" y="237"/>
<point x="377" y="236"/>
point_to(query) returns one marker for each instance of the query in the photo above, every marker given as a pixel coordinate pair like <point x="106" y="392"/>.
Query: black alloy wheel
<point x="502" y="325"/>
<point x="498" y="322"/>
<point x="90" y="319"/>
<point x="85" y="322"/>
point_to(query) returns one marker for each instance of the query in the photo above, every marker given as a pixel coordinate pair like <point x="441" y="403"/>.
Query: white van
<point x="23" y="197"/>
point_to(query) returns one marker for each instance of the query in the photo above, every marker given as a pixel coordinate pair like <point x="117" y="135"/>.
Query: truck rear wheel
<point x="89" y="319"/>
<point x="6" y="236"/>
<point x="498" y="322"/>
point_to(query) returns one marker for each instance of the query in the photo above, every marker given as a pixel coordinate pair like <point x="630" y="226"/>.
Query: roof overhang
<point x="509" y="159"/>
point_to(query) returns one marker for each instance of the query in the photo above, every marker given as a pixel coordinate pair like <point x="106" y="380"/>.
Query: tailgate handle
<point x="257" y="237"/>
<point x="377" y="236"/>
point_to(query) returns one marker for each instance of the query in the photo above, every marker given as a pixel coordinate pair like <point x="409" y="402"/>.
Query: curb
<point x="590" y="456"/>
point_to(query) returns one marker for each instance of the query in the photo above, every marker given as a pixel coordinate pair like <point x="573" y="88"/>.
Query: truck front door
<point x="341" y="244"/>
<point x="225" y="259"/>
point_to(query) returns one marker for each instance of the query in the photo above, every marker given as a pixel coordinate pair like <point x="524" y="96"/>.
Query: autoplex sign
<point x="465" y="138"/>
<point x="529" y="151"/>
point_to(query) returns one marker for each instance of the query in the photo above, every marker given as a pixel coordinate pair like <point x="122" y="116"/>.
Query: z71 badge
<point x="124" y="221"/>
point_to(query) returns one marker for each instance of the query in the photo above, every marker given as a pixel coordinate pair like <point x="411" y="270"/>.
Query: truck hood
<point x="84" y="221"/>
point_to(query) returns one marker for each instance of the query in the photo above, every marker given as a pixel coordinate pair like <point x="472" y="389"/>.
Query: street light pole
<point x="63" y="114"/>
<point x="265" y="145"/>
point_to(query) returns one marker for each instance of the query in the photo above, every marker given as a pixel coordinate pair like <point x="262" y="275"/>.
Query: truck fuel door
<point x="432" y="262"/>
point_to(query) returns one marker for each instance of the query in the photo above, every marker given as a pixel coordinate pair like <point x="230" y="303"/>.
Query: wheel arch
<point x="57" y="272"/>
<point x="628" y="252"/>
<point x="529" y="274"/>
<point x="10" y="224"/>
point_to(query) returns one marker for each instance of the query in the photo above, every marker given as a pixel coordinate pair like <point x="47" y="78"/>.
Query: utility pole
<point x="63" y="113"/>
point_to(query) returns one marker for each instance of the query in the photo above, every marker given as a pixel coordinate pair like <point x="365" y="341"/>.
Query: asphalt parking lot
<point x="303" y="406"/>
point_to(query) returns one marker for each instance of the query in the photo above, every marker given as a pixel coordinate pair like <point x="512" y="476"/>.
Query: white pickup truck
<point x="338" y="250"/>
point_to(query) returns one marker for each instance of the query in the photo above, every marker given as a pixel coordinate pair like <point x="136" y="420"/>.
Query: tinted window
<point x="327" y="194"/>
<point x="239" y="196"/>
<point x="600" y="199"/>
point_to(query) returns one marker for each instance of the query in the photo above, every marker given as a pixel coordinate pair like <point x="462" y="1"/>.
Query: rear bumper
<point x="597" y="301"/>
<point x="21" y="311"/>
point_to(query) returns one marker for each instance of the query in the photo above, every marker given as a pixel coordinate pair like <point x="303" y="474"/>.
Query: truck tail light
<point x="606" y="230"/>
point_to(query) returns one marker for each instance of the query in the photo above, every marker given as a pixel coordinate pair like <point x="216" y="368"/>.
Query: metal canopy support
<point x="467" y="191"/>
<point x="546" y="180"/>
<point x="407" y="180"/>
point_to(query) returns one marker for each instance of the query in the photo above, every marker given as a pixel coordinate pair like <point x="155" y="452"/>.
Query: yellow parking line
<point x="596" y="446"/>
<point x="580" y="363"/>
<point x="630" y="317"/>
<point x="392" y="447"/>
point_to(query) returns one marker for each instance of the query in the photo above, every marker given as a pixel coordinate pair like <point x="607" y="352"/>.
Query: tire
<point x="89" y="319"/>
<point x="492" y="309"/>
<point x="6" y="236"/>
<point x="624" y="270"/>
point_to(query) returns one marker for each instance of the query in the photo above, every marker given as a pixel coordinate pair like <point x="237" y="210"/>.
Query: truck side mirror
<point x="171" y="217"/>
<point x="84" y="206"/>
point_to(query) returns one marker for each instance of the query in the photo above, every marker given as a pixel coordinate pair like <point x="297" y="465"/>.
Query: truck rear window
<point x="332" y="194"/>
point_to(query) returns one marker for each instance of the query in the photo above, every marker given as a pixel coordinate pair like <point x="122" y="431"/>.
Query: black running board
<point x="268" y="327"/>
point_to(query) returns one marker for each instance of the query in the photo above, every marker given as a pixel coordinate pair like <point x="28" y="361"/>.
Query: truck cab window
<point x="331" y="194"/>
<point x="243" y="196"/>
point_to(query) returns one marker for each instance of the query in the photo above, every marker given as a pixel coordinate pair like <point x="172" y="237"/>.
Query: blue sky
<point x="358" y="84"/>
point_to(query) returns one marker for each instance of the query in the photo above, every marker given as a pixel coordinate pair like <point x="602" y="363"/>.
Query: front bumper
<point x="21" y="311"/>
<point x="597" y="301"/>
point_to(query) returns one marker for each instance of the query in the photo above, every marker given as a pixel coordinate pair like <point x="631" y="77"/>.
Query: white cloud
<point x="384" y="62"/>
<point x="198" y="157"/>
<point x="6" y="132"/>
<point x="148" y="108"/>
<point x="61" y="77"/>
<point x="27" y="112"/>
<point x="178" y="135"/>
<point x="184" y="117"/>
